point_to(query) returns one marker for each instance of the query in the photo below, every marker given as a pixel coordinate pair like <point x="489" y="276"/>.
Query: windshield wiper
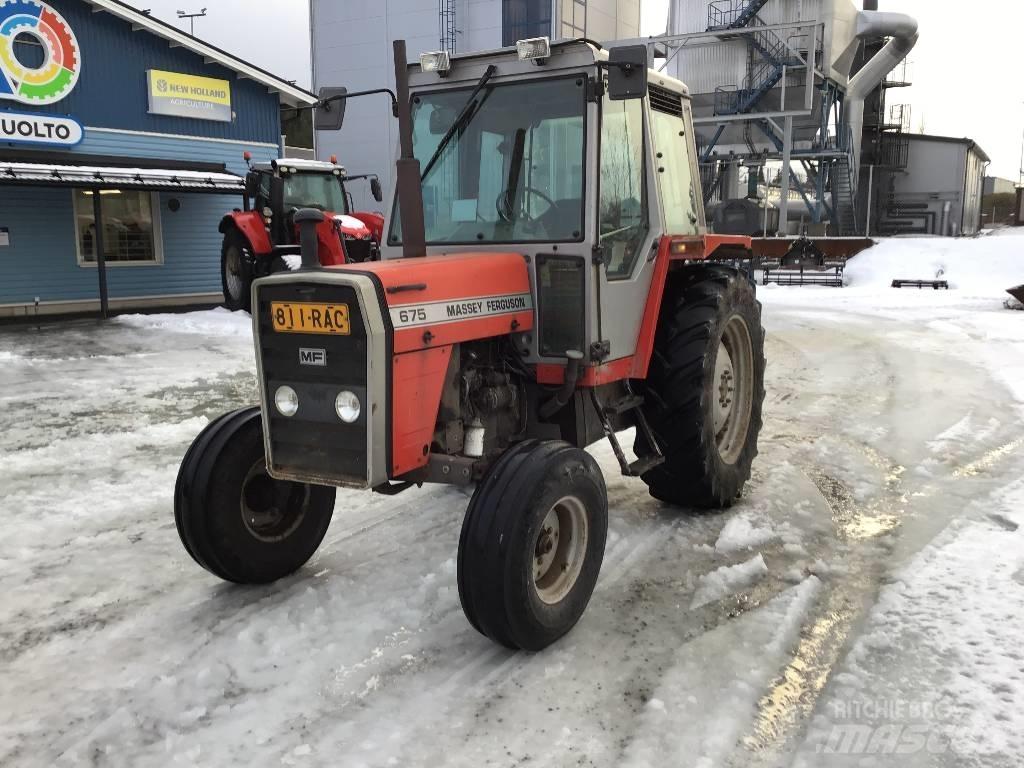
<point x="468" y="110"/>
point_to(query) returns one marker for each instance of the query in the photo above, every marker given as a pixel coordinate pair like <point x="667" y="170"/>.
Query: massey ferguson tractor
<point x="262" y="238"/>
<point x="545" y="283"/>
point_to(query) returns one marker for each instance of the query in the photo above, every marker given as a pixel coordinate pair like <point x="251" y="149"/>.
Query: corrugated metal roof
<point x="104" y="177"/>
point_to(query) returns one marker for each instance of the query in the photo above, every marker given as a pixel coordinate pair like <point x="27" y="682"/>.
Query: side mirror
<point x="330" y="116"/>
<point x="252" y="184"/>
<point x="375" y="190"/>
<point x="627" y="72"/>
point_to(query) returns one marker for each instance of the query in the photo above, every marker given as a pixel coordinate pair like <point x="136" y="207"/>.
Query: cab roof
<point x="565" y="55"/>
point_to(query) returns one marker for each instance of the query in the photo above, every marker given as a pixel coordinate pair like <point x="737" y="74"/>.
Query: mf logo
<point x="312" y="356"/>
<point x="40" y="60"/>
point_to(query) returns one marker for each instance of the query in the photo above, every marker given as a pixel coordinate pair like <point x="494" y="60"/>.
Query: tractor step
<point x="628" y="403"/>
<point x="647" y="463"/>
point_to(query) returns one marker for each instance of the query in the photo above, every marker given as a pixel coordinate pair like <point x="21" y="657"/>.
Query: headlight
<point x="347" y="405"/>
<point x="286" y="401"/>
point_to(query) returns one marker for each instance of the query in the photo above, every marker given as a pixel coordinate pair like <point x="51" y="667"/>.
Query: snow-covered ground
<point x="861" y="606"/>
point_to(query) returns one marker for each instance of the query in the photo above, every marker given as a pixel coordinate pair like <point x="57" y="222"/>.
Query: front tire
<point x="705" y="388"/>
<point x="236" y="271"/>
<point x="532" y="544"/>
<point x="233" y="518"/>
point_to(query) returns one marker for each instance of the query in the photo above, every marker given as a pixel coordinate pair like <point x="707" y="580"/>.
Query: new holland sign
<point x="180" y="95"/>
<point x="39" y="129"/>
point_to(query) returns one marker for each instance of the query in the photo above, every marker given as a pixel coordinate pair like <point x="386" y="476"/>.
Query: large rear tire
<point x="532" y="544"/>
<point x="233" y="518"/>
<point x="705" y="388"/>
<point x="236" y="270"/>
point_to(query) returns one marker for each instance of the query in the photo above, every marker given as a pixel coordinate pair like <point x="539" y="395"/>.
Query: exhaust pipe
<point x="407" y="169"/>
<point x="871" y="25"/>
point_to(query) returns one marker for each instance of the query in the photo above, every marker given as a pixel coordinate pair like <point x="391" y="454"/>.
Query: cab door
<point x="647" y="188"/>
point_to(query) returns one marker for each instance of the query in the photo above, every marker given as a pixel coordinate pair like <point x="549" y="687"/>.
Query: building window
<point x="574" y="19"/>
<point x="521" y="19"/>
<point x="131" y="227"/>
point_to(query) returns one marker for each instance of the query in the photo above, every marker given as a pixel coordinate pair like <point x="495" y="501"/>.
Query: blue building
<point x="121" y="147"/>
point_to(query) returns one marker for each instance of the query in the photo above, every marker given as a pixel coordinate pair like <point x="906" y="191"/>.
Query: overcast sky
<point x="967" y="73"/>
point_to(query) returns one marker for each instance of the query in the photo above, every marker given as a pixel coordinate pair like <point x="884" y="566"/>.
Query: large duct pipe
<point x="872" y="25"/>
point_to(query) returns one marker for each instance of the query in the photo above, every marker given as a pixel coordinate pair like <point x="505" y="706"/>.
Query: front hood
<point x="351" y="226"/>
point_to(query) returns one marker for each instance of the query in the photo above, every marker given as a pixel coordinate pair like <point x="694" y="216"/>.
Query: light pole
<point x="192" y="19"/>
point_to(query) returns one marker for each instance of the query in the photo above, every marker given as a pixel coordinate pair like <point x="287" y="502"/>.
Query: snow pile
<point x="984" y="266"/>
<point x="741" y="532"/>
<point x="728" y="579"/>
<point x="212" y="322"/>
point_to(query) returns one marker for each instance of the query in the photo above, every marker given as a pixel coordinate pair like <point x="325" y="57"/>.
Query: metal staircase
<point x="732" y="14"/>
<point x="769" y="56"/>
<point x="844" y="203"/>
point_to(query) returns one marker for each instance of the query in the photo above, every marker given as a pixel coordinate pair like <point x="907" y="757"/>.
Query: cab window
<point x="622" y="211"/>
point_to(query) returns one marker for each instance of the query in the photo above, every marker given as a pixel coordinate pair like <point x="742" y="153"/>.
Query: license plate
<point x="310" y="317"/>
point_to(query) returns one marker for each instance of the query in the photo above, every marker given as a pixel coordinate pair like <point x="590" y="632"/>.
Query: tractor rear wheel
<point x="233" y="518"/>
<point x="705" y="388"/>
<point x="236" y="270"/>
<point x="532" y="544"/>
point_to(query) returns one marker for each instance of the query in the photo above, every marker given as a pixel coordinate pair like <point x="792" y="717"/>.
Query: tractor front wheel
<point x="532" y="544"/>
<point x="705" y="388"/>
<point x="237" y="521"/>
<point x="236" y="271"/>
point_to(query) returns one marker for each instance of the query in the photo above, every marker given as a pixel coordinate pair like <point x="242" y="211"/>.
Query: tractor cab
<point x="598" y="168"/>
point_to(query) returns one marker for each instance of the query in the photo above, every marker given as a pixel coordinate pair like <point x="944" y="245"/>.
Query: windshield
<point x="314" y="190"/>
<point x="513" y="173"/>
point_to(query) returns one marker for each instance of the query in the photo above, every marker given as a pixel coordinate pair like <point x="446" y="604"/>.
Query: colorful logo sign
<point x="35" y="22"/>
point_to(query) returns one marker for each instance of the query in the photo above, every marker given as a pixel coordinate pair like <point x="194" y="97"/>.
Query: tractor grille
<point x="358" y="250"/>
<point x="314" y="444"/>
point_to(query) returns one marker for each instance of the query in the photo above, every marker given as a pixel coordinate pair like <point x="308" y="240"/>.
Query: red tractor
<point x="262" y="238"/>
<point x="546" y="282"/>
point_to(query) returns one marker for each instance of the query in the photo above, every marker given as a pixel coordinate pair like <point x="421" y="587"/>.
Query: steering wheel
<point x="502" y="205"/>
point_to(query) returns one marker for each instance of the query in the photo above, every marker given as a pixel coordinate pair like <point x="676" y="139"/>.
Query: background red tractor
<point x="262" y="237"/>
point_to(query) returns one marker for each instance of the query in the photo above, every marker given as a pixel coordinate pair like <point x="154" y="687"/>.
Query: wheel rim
<point x="233" y="272"/>
<point x="560" y="549"/>
<point x="272" y="509"/>
<point x="733" y="389"/>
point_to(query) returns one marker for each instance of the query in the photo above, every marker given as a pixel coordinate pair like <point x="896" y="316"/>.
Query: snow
<point x="742" y="532"/>
<point x="870" y="576"/>
<point x="728" y="579"/>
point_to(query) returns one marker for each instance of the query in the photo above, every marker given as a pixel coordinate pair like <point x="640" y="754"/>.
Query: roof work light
<point x="536" y="49"/>
<point x="436" y="61"/>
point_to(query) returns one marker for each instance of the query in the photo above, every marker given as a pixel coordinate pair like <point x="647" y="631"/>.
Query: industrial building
<point x="939" y="192"/>
<point x="121" y="143"/>
<point x="796" y="84"/>
<point x="811" y="86"/>
<point x="351" y="44"/>
<point x="997" y="186"/>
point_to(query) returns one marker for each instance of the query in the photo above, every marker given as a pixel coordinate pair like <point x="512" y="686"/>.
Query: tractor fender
<point x="251" y="225"/>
